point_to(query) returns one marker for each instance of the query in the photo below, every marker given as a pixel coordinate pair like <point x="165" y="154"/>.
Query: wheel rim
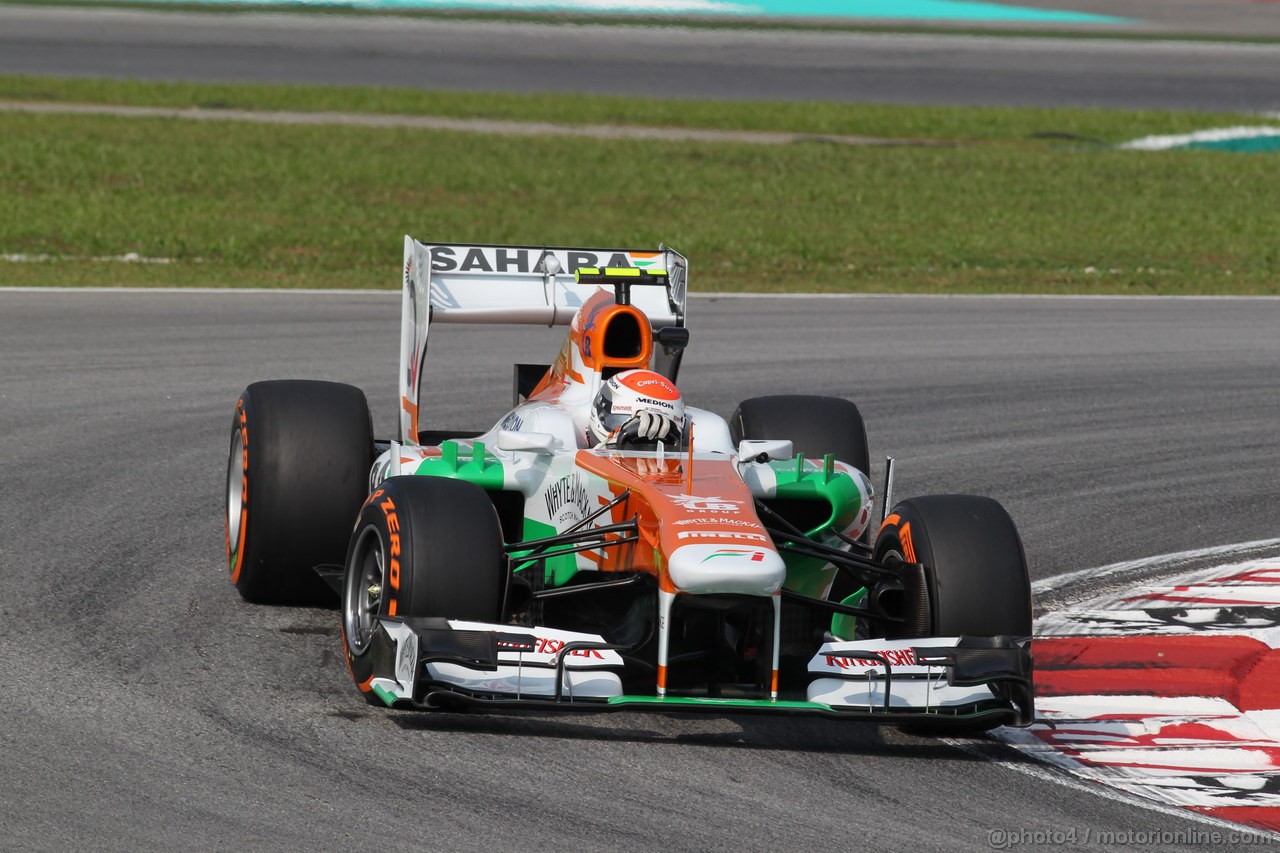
<point x="892" y="554"/>
<point x="235" y="491"/>
<point x="362" y="589"/>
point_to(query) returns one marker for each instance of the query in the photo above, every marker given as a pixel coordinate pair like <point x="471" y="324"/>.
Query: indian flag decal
<point x="644" y="259"/>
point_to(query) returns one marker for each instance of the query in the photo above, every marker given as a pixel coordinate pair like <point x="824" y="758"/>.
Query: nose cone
<point x="742" y="570"/>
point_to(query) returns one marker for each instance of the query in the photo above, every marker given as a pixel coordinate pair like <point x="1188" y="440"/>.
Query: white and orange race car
<point x="731" y="567"/>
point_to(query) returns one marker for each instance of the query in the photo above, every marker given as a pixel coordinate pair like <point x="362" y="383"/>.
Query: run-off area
<point x="1169" y="691"/>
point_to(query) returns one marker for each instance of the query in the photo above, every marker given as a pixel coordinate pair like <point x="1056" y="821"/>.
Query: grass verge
<point x="263" y="205"/>
<point x="815" y="117"/>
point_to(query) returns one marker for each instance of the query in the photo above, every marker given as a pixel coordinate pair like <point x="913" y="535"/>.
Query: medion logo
<point x="722" y="534"/>
<point x="649" y="401"/>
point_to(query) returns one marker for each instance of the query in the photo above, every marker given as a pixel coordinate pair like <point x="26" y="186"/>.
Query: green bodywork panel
<point x="844" y="626"/>
<point x="559" y="567"/>
<point x="385" y="695"/>
<point x="477" y="467"/>
<point x="797" y="480"/>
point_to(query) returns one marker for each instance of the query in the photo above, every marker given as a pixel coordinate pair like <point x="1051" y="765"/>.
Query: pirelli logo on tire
<point x="392" y="521"/>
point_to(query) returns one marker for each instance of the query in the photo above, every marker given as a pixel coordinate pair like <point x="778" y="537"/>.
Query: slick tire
<point x="815" y="425"/>
<point x="422" y="547"/>
<point x="974" y="567"/>
<point x="297" y="472"/>
<point x="975" y="575"/>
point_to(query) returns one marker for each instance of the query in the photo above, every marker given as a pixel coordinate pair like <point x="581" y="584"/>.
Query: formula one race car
<point x="604" y="546"/>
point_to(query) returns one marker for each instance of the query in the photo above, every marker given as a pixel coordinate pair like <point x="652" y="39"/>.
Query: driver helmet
<point x="628" y="393"/>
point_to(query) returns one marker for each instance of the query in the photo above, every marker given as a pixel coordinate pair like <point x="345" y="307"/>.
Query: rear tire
<point x="814" y="425"/>
<point x="422" y="546"/>
<point x="297" y="471"/>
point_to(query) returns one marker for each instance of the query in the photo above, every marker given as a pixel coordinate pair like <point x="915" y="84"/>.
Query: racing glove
<point x="648" y="426"/>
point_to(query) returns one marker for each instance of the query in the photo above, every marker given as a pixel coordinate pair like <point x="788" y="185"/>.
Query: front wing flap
<point x="424" y="657"/>
<point x="939" y="676"/>
<point x="432" y="663"/>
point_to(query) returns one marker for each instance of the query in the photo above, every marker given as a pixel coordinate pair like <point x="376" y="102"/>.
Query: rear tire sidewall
<point x="298" y="468"/>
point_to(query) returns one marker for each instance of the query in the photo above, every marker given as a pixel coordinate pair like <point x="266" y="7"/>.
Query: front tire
<point x="422" y="547"/>
<point x="975" y="574"/>
<point x="974" y="567"/>
<point x="297" y="471"/>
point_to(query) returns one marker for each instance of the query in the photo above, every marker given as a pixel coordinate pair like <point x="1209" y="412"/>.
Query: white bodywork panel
<point x="710" y="431"/>
<point x="588" y="673"/>
<point x="709" y="569"/>
<point x="862" y="685"/>
<point x="406" y="657"/>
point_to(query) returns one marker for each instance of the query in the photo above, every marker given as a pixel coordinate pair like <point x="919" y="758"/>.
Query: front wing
<point x="430" y="663"/>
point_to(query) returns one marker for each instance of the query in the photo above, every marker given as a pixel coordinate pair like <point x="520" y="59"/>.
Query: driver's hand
<point x="649" y="426"/>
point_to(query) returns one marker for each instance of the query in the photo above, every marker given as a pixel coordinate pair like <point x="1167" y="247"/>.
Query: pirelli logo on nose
<point x="723" y="534"/>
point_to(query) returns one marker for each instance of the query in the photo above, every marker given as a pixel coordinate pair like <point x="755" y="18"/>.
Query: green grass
<point x="952" y="123"/>
<point x="260" y="205"/>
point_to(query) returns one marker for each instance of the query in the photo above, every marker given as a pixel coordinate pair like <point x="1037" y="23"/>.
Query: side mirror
<point x="535" y="442"/>
<point x="672" y="339"/>
<point x="764" y="450"/>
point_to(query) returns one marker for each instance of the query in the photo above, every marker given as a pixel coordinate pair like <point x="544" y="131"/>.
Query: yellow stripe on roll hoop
<point x="615" y="272"/>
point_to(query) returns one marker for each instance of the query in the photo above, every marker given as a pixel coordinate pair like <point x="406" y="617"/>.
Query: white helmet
<point x="629" y="393"/>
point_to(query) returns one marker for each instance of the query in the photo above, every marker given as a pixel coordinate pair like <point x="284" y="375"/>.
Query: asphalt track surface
<point x="146" y="706"/>
<point x="668" y="62"/>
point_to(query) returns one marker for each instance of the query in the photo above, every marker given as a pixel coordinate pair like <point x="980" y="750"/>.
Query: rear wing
<point x="449" y="283"/>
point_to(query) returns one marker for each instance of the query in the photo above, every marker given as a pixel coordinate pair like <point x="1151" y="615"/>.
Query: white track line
<point x="491" y="127"/>
<point x="1057" y="582"/>
<point x="1046" y="773"/>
